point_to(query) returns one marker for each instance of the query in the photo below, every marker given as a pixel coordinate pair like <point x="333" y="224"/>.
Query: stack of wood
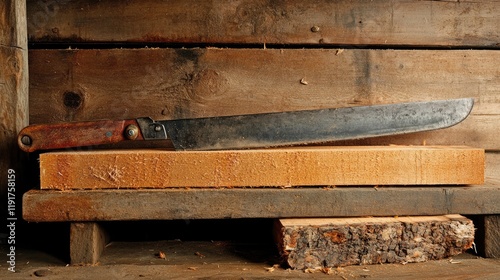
<point x="308" y="243"/>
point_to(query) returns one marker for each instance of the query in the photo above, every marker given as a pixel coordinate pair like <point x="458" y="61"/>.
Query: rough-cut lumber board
<point x="87" y="241"/>
<point x="307" y="166"/>
<point x="118" y="205"/>
<point x="320" y="22"/>
<point x="13" y="88"/>
<point x="492" y="236"/>
<point x="187" y="83"/>
<point x="492" y="162"/>
<point x="333" y="242"/>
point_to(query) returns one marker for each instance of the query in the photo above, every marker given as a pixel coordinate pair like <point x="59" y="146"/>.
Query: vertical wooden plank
<point x="13" y="88"/>
<point x="87" y="241"/>
<point x="492" y="236"/>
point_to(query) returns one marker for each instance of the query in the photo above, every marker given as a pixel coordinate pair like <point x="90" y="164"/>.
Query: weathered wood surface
<point x="229" y="260"/>
<point x="492" y="166"/>
<point x="87" y="241"/>
<point x="13" y="87"/>
<point x="334" y="242"/>
<point x="307" y="166"/>
<point x="123" y="205"/>
<point x="320" y="22"/>
<point x="492" y="236"/>
<point x="187" y="83"/>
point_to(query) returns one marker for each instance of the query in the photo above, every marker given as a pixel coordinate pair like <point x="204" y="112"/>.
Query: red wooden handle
<point x="67" y="135"/>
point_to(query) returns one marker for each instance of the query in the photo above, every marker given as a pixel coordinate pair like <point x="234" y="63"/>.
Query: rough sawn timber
<point x="492" y="236"/>
<point x="306" y="166"/>
<point x="87" y="241"/>
<point x="319" y="22"/>
<point x="13" y="94"/>
<point x="333" y="242"/>
<point x="190" y="83"/>
<point x="200" y="203"/>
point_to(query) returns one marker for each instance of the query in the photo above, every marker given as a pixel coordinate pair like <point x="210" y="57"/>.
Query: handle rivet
<point x="157" y="127"/>
<point x="26" y="140"/>
<point x="131" y="132"/>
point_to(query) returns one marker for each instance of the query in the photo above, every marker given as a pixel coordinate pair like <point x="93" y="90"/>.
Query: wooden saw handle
<point x="77" y="134"/>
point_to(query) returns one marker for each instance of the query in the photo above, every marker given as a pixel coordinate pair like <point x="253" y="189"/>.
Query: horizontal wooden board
<point x="310" y="166"/>
<point x="311" y="243"/>
<point x="319" y="22"/>
<point x="167" y="204"/>
<point x="188" y="83"/>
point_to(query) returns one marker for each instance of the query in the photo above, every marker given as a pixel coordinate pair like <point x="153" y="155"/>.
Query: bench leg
<point x="87" y="241"/>
<point x="492" y="236"/>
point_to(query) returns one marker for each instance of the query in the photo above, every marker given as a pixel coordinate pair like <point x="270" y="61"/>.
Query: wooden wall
<point x="181" y="59"/>
<point x="13" y="91"/>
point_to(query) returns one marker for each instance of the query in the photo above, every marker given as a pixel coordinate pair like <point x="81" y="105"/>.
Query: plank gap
<point x="172" y="45"/>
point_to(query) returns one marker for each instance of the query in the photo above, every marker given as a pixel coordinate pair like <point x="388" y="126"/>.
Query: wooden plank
<point x="167" y="204"/>
<point x="188" y="83"/>
<point x="492" y="166"/>
<point x="334" y="242"/>
<point x="13" y="91"/>
<point x="492" y="236"/>
<point x="320" y="22"/>
<point x="87" y="241"/>
<point x="309" y="166"/>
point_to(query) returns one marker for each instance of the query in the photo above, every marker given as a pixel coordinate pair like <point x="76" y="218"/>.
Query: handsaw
<point x="254" y="130"/>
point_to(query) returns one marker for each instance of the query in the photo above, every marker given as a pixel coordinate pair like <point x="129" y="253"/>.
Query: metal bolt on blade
<point x="26" y="140"/>
<point x="131" y="132"/>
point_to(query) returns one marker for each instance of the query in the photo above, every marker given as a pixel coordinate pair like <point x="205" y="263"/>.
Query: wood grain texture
<point x="492" y="236"/>
<point x="187" y="83"/>
<point x="311" y="166"/>
<point x="168" y="204"/>
<point x="319" y="22"/>
<point x="492" y="167"/>
<point x="87" y="241"/>
<point x="13" y="87"/>
<point x="334" y="242"/>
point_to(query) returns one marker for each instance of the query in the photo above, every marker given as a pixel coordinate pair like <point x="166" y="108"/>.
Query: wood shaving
<point x="162" y="255"/>
<point x="269" y="269"/>
<point x="303" y="81"/>
<point x="328" y="270"/>
<point x="313" y="270"/>
<point x="272" y="268"/>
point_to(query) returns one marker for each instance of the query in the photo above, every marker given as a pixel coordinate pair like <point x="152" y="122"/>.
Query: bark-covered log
<point x="311" y="243"/>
